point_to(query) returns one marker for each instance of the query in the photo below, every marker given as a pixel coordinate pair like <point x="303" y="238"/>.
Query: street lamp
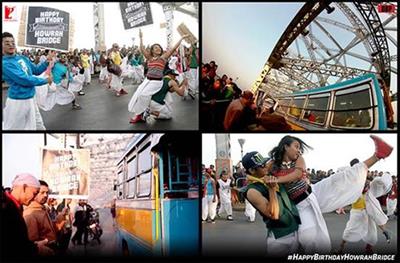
<point x="241" y="142"/>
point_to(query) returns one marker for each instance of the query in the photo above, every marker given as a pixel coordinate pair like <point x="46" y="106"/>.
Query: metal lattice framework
<point x="319" y="49"/>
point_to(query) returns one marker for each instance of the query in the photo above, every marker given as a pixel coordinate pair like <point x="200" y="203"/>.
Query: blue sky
<point x="241" y="36"/>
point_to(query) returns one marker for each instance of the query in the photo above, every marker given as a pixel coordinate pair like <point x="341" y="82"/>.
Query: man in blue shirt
<point x="21" y="111"/>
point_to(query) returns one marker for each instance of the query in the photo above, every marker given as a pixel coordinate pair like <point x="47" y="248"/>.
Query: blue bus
<point x="157" y="205"/>
<point x="355" y="104"/>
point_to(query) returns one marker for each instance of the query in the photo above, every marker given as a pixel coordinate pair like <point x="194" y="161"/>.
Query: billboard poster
<point x="67" y="172"/>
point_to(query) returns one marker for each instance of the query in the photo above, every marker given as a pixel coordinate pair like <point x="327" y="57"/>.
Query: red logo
<point x="9" y="12"/>
<point x="387" y="8"/>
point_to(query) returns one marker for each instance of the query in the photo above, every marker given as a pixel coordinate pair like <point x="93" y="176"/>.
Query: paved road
<point x="102" y="110"/>
<point x="240" y="238"/>
<point x="108" y="240"/>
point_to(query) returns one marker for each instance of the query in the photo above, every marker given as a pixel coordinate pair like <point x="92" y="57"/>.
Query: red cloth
<point x="15" y="201"/>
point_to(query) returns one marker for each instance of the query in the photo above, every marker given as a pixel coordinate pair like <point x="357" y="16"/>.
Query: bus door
<point x="179" y="206"/>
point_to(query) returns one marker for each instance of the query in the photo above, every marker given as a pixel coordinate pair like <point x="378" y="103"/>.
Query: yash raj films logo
<point x="10" y="13"/>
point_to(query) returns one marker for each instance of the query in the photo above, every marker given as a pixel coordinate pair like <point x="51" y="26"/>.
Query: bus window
<point x="296" y="106"/>
<point x="283" y="105"/>
<point x="357" y="108"/>
<point x="120" y="184"/>
<point x="131" y="181"/>
<point x="314" y="105"/>
<point x="144" y="171"/>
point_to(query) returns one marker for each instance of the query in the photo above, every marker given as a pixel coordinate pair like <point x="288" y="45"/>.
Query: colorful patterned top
<point x="295" y="188"/>
<point x="156" y="68"/>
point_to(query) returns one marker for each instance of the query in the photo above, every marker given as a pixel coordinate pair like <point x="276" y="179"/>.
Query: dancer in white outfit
<point x="156" y="61"/>
<point x="210" y="200"/>
<point x="366" y="213"/>
<point x="225" y="186"/>
<point x="338" y="190"/>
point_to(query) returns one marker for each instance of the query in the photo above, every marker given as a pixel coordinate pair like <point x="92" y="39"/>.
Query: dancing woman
<point x="156" y="61"/>
<point x="338" y="190"/>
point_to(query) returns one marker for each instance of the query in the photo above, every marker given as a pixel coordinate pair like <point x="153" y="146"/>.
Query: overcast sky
<point x="331" y="151"/>
<point x="114" y="28"/>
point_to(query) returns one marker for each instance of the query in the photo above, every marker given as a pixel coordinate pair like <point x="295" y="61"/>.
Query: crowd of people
<point x="36" y="224"/>
<point x="43" y="78"/>
<point x="225" y="107"/>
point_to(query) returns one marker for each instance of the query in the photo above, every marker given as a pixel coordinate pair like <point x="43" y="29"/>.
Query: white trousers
<point x="22" y="115"/>
<point x="209" y="208"/>
<point x="140" y="100"/>
<point x="391" y="206"/>
<point x="282" y="246"/>
<point x="116" y="83"/>
<point x="225" y="207"/>
<point x="338" y="190"/>
<point x="165" y="110"/>
<point x="250" y="211"/>
<point x="87" y="75"/>
<point x="360" y="227"/>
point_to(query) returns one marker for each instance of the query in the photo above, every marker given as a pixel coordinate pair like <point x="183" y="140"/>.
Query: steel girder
<point x="378" y="40"/>
<point x="302" y="65"/>
<point x="303" y="18"/>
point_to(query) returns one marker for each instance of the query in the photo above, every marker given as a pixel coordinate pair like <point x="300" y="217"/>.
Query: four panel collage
<point x="216" y="130"/>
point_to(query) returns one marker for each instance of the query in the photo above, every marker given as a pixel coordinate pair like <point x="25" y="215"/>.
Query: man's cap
<point x="172" y="72"/>
<point x="26" y="178"/>
<point x="248" y="95"/>
<point x="253" y="160"/>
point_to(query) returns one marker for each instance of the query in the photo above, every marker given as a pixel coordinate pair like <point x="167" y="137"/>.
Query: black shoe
<point x="387" y="235"/>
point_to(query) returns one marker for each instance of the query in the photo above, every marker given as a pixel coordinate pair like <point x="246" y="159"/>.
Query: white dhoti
<point x="209" y="208"/>
<point x="249" y="211"/>
<point x="77" y="83"/>
<point x="140" y="100"/>
<point x="104" y="74"/>
<point x="360" y="227"/>
<point x="339" y="190"/>
<point x="49" y="95"/>
<point x="282" y="246"/>
<point x="164" y="110"/>
<point x="313" y="232"/>
<point x="22" y="115"/>
<point x="116" y="83"/>
<point x="87" y="75"/>
<point x="193" y="79"/>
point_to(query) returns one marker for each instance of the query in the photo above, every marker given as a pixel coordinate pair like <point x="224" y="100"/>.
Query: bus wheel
<point x="125" y="249"/>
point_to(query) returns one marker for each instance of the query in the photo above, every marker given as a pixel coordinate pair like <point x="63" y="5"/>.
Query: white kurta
<point x="140" y="100"/>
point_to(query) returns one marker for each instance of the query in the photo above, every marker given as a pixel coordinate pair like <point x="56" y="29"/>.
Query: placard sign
<point x="47" y="28"/>
<point x="135" y="14"/>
